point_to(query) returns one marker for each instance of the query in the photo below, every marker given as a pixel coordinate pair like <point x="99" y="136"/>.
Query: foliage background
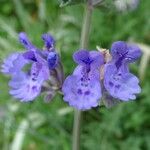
<point x="45" y="126"/>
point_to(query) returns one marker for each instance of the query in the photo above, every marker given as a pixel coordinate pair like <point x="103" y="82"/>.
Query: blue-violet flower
<point x="29" y="69"/>
<point x="82" y="89"/>
<point x="118" y="81"/>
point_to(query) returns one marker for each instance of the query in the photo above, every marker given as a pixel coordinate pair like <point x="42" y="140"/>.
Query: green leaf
<point x="70" y="2"/>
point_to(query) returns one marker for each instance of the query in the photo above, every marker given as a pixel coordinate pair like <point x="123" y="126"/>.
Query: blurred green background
<point x="48" y="126"/>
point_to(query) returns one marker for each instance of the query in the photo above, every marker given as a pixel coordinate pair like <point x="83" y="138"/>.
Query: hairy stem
<point x="84" y="43"/>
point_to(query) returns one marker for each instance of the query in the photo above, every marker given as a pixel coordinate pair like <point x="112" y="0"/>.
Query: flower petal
<point x="134" y="53"/>
<point x="118" y="49"/>
<point x="24" y="88"/>
<point x="79" y="96"/>
<point x="8" y="63"/>
<point x="81" y="57"/>
<point x="13" y="63"/>
<point x="85" y="57"/>
<point x="121" y="85"/>
<point x="122" y="51"/>
<point x="25" y="41"/>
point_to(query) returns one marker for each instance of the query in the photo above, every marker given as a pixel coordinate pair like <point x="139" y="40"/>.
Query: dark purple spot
<point x="86" y="84"/>
<point x="87" y="92"/>
<point x="81" y="79"/>
<point x="79" y="91"/>
<point x="30" y="55"/>
<point x="82" y="84"/>
<point x="34" y="79"/>
<point x="111" y="84"/>
<point x="87" y="61"/>
<point x="117" y="86"/>
<point x="118" y="53"/>
<point x="34" y="88"/>
<point x="120" y="60"/>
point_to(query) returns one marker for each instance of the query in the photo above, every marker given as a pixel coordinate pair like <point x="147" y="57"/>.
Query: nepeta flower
<point x="31" y="68"/>
<point x="82" y="89"/>
<point x="118" y="81"/>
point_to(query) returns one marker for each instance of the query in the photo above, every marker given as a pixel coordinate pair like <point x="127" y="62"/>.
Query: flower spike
<point x="27" y="82"/>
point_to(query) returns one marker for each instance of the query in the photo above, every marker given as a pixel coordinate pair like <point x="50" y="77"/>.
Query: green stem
<point x="76" y="130"/>
<point x="84" y="43"/>
<point x="86" y="25"/>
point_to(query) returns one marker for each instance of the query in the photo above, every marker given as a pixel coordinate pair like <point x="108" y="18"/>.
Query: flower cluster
<point x="30" y="69"/>
<point x="82" y="89"/>
<point x="99" y="75"/>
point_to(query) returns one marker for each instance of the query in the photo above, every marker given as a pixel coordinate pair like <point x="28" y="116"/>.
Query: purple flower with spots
<point x="82" y="89"/>
<point x="29" y="69"/>
<point x="118" y="81"/>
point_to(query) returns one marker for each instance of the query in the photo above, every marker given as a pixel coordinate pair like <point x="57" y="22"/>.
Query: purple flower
<point x="31" y="68"/>
<point x="118" y="81"/>
<point x="82" y="89"/>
